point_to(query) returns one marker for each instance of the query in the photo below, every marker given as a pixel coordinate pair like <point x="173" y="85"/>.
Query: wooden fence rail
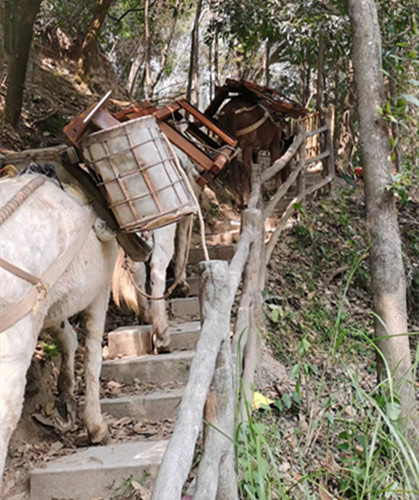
<point x="221" y="362"/>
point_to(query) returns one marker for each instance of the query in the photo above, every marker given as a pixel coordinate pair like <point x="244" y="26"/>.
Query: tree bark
<point x="3" y="21"/>
<point x="147" y="47"/>
<point x="388" y="278"/>
<point x="266" y="64"/>
<point x="27" y="11"/>
<point x="320" y="90"/>
<point x="192" y="93"/>
<point x="86" y="59"/>
<point x="151" y="85"/>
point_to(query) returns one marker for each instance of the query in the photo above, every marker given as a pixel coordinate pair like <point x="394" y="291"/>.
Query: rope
<point x="9" y="171"/>
<point x="191" y="192"/>
<point x="188" y="245"/>
<point x="175" y="283"/>
<point x="17" y="200"/>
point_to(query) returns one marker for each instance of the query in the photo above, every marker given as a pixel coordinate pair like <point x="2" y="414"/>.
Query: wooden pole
<point x="215" y="313"/>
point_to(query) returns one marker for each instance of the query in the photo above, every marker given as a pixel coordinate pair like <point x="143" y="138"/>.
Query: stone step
<point x="222" y="252"/>
<point x="193" y="282"/>
<point x="135" y="340"/>
<point x="184" y="309"/>
<point x="98" y="471"/>
<point x="158" y="369"/>
<point x="154" y="406"/>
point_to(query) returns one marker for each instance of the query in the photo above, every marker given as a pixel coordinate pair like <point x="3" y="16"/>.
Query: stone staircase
<point x="102" y="472"/>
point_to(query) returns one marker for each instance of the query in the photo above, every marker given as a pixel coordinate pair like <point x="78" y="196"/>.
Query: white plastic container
<point x="144" y="188"/>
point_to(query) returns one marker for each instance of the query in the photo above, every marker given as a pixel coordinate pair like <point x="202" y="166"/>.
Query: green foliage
<point x="50" y="349"/>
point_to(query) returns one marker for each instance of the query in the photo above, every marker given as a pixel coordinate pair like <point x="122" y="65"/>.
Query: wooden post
<point x="246" y="338"/>
<point x="215" y="311"/>
<point x="301" y="185"/>
<point x="216" y="476"/>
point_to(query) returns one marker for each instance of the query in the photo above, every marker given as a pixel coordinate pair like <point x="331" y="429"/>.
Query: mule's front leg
<point x="17" y="345"/>
<point x="96" y="427"/>
<point x="140" y="276"/>
<point x="67" y="344"/>
<point x="181" y="247"/>
<point x="163" y="250"/>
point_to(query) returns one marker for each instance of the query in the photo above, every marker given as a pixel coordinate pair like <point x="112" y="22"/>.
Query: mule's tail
<point x="123" y="279"/>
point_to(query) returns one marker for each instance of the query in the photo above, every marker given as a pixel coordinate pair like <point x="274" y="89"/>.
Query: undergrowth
<point x="335" y="432"/>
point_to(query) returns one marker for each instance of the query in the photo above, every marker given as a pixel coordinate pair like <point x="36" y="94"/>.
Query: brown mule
<point x="254" y="128"/>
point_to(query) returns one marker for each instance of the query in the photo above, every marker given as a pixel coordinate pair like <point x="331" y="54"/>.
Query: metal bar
<point x="121" y="185"/>
<point x="146" y="178"/>
<point x="144" y="195"/>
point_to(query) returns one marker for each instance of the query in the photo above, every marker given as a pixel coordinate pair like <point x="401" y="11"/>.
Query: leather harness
<point x="255" y="126"/>
<point x="41" y="285"/>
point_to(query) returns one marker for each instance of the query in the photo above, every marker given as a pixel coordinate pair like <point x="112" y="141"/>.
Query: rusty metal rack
<point x="212" y="155"/>
<point x="273" y="100"/>
<point x="211" y="149"/>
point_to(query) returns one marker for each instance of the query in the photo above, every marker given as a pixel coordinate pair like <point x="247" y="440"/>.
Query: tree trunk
<point x="346" y="142"/>
<point x="134" y="71"/>
<point x="193" y="75"/>
<point x="388" y="278"/>
<point x="147" y="47"/>
<point x="164" y="55"/>
<point x="27" y="11"/>
<point x="86" y="59"/>
<point x="320" y="90"/>
<point x="3" y="21"/>
<point x="266" y="60"/>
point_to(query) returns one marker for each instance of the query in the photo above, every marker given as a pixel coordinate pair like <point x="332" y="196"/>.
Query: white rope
<point x="191" y="192"/>
<point x="175" y="283"/>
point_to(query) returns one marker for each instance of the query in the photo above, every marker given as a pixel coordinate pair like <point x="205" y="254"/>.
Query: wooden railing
<point x="213" y="388"/>
<point x="216" y="368"/>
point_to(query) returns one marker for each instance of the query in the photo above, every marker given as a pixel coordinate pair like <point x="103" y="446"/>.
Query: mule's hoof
<point x="67" y="409"/>
<point x="163" y="349"/>
<point x="181" y="290"/>
<point x="161" y="346"/>
<point x="99" y="434"/>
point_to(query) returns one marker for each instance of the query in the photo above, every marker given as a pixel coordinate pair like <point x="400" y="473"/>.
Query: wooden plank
<point x="167" y="111"/>
<point x="187" y="147"/>
<point x="35" y="154"/>
<point x="319" y="157"/>
<point x="317" y="131"/>
<point x="227" y="138"/>
<point x="319" y="185"/>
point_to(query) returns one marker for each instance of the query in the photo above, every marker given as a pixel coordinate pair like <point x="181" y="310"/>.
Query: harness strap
<point x="240" y="110"/>
<point x="7" y="210"/>
<point x="245" y="110"/>
<point x="253" y="127"/>
<point x="21" y="273"/>
<point x="47" y="280"/>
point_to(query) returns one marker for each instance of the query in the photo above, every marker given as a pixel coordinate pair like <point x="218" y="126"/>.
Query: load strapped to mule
<point x="272" y="100"/>
<point x="130" y="158"/>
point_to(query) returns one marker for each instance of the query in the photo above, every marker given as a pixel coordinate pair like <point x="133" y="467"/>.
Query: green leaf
<point x="287" y="400"/>
<point x="412" y="99"/>
<point x="393" y="410"/>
